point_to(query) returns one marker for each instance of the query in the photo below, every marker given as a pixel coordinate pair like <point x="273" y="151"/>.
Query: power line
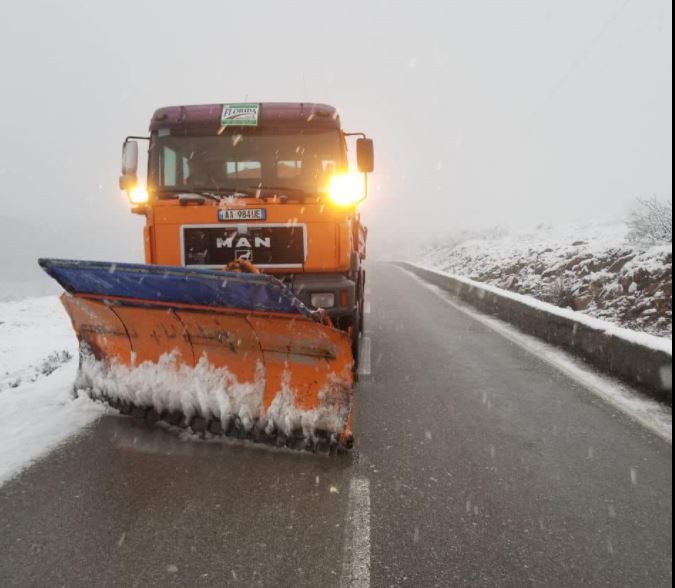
<point x="588" y="50"/>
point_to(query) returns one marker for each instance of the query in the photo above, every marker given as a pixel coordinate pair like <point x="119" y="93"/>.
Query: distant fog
<point x="484" y="112"/>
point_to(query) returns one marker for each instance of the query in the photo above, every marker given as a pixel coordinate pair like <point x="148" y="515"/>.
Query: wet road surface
<point x="477" y="464"/>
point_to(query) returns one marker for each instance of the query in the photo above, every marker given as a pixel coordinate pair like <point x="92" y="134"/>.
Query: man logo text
<point x="244" y="243"/>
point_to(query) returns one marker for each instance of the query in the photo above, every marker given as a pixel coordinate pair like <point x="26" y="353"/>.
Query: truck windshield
<point x="245" y="161"/>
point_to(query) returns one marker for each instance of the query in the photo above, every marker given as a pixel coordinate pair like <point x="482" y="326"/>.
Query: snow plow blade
<point x="226" y="353"/>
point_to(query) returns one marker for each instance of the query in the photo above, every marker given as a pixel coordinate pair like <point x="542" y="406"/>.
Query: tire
<point x="362" y="302"/>
<point x="356" y="340"/>
<point x="353" y="324"/>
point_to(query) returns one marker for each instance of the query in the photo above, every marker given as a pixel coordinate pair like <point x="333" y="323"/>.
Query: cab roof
<point x="207" y="117"/>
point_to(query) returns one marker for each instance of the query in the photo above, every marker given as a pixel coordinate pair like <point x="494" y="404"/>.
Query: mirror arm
<point x="133" y="138"/>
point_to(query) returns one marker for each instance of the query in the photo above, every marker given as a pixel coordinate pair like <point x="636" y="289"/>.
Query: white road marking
<point x="356" y="562"/>
<point x="366" y="359"/>
<point x="649" y="413"/>
<point x="367" y="309"/>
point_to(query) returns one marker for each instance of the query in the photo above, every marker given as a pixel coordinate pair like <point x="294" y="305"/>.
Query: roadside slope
<point x="594" y="269"/>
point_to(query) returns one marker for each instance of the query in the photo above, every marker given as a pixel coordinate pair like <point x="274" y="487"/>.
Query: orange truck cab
<point x="269" y="183"/>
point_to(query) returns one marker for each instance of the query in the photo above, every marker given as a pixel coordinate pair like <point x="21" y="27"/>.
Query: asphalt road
<point x="477" y="464"/>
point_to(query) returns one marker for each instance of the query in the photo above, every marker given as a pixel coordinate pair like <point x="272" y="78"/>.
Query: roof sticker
<point x="240" y="115"/>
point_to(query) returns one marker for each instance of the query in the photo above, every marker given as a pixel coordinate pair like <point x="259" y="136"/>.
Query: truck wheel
<point x="356" y="341"/>
<point x="352" y="324"/>
<point x="362" y="302"/>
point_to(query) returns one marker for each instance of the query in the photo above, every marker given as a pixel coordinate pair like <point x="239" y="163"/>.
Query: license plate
<point x="242" y="214"/>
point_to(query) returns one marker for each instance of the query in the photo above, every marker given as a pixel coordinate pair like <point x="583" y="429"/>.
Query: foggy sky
<point x="484" y="112"/>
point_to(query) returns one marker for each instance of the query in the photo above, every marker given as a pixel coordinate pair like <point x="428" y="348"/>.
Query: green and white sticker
<point x="240" y="115"/>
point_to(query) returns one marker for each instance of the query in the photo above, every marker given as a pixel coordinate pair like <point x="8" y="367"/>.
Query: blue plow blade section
<point x="148" y="284"/>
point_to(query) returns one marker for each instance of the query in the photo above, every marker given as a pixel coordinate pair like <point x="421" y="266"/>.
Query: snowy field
<point x="38" y="363"/>
<point x="594" y="269"/>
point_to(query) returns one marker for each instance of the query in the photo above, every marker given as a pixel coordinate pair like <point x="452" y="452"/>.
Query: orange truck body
<point x="334" y="236"/>
<point x="331" y="234"/>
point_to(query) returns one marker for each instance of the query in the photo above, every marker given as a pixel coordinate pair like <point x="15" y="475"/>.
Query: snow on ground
<point x="590" y="268"/>
<point x="30" y="332"/>
<point x="38" y="365"/>
<point x="645" y="339"/>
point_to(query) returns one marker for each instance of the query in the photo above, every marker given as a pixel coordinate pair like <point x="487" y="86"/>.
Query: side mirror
<point x="130" y="158"/>
<point x="365" y="155"/>
<point x="129" y="177"/>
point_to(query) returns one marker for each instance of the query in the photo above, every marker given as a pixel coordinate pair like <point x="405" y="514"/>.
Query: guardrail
<point x="639" y="359"/>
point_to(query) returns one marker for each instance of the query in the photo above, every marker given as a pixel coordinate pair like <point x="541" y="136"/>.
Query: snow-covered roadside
<point x="594" y="269"/>
<point x="38" y="364"/>
<point x="645" y="339"/>
<point x="30" y="331"/>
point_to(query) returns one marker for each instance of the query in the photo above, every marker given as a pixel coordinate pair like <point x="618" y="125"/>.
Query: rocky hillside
<point x="591" y="269"/>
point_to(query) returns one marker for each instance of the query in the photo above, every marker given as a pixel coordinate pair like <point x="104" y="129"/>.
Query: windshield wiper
<point x="282" y="191"/>
<point x="190" y="194"/>
<point x="223" y="192"/>
<point x="217" y="194"/>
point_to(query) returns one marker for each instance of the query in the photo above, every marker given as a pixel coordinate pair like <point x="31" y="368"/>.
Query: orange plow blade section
<point x="277" y="378"/>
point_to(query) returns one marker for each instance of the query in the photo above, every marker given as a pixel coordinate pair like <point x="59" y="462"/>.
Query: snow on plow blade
<point x="234" y="354"/>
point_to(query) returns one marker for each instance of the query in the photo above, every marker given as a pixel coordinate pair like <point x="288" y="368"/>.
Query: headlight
<point x="138" y="195"/>
<point x="323" y="300"/>
<point x="346" y="189"/>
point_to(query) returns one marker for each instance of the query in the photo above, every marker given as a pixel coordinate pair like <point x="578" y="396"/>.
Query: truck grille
<point x="267" y="246"/>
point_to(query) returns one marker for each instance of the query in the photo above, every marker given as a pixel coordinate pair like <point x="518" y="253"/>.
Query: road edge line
<point x="613" y="392"/>
<point x="357" y="555"/>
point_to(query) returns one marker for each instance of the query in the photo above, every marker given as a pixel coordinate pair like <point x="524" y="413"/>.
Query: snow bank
<point x="643" y="339"/>
<point x="591" y="268"/>
<point x="38" y="366"/>
<point x="30" y="331"/>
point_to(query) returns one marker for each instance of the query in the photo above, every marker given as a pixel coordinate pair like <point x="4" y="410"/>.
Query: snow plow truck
<point x="245" y="319"/>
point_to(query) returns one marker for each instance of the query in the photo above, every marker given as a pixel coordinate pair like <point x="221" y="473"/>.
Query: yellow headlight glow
<point x="138" y="195"/>
<point x="346" y="189"/>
